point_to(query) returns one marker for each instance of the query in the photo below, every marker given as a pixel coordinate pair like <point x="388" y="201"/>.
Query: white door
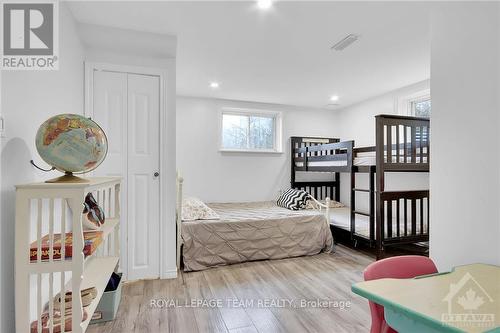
<point x="127" y="106"/>
<point x="143" y="177"/>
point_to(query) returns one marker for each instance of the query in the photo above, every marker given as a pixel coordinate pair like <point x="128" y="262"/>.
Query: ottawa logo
<point x="469" y="304"/>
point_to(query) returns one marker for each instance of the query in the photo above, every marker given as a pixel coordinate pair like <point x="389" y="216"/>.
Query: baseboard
<point x="169" y="274"/>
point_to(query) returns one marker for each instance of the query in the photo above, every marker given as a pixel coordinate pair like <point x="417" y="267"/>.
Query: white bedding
<point x="340" y="217"/>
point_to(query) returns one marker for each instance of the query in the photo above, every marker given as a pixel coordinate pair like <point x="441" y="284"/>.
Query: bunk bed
<point x="393" y="217"/>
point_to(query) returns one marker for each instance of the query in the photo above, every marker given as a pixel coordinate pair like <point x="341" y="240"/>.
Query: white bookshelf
<point x="56" y="208"/>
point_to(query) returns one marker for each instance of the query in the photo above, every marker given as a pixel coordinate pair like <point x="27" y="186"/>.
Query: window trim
<point x="278" y="130"/>
<point x="412" y="102"/>
<point x="404" y="104"/>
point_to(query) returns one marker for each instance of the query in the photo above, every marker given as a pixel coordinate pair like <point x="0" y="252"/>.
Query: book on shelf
<point x="56" y="319"/>
<point x="87" y="296"/>
<point x="91" y="241"/>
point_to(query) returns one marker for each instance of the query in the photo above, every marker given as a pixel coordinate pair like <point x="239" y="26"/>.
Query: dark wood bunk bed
<point x="394" y="218"/>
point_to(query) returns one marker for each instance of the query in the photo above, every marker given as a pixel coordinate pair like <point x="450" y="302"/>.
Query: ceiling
<point x="283" y="55"/>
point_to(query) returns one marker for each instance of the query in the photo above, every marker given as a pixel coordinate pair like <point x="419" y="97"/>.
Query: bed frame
<point x="402" y="145"/>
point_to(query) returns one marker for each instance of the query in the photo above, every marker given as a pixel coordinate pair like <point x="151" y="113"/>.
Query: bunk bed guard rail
<point x="321" y="154"/>
<point x="402" y="143"/>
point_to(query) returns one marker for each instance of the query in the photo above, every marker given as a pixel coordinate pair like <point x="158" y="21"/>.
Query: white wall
<point x="128" y="42"/>
<point x="357" y="122"/>
<point x="28" y="99"/>
<point x="465" y="179"/>
<point x="221" y="177"/>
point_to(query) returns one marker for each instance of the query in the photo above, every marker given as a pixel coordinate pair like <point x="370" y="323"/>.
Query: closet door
<point x="143" y="176"/>
<point x="110" y="112"/>
<point x="127" y="106"/>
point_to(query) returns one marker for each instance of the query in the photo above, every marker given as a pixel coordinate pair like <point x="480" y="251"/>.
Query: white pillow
<point x="194" y="209"/>
<point x="333" y="204"/>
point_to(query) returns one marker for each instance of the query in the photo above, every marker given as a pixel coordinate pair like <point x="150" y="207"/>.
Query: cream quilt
<point x="253" y="231"/>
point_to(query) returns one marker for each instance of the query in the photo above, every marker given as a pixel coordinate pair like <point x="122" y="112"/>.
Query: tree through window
<point x="250" y="131"/>
<point x="421" y="107"/>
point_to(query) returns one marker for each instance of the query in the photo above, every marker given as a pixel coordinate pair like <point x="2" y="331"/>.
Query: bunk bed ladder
<point x="353" y="206"/>
<point x="371" y="205"/>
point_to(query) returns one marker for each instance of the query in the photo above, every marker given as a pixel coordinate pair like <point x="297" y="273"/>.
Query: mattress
<point x="253" y="231"/>
<point x="341" y="217"/>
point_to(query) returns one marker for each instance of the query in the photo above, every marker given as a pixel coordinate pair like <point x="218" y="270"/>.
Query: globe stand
<point x="68" y="178"/>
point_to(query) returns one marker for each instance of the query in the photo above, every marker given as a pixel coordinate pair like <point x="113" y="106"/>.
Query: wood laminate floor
<point x="262" y="296"/>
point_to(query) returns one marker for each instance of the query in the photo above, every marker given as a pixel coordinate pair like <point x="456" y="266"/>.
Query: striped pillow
<point x="293" y="199"/>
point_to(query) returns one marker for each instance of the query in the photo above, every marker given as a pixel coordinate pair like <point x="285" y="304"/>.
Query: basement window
<point x="417" y="104"/>
<point x="256" y="131"/>
<point x="421" y="107"/>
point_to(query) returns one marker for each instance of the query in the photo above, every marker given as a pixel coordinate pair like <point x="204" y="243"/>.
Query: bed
<point x="393" y="217"/>
<point x="251" y="231"/>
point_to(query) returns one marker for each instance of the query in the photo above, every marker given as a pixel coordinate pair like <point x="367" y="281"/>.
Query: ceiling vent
<point x="345" y="42"/>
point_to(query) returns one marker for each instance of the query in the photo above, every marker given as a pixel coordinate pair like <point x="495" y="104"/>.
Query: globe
<point x="71" y="143"/>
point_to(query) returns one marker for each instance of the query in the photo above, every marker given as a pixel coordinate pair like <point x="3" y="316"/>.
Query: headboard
<point x="316" y="154"/>
<point x="402" y="143"/>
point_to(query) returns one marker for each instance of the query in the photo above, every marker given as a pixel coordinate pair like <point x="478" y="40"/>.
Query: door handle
<point x="156" y="174"/>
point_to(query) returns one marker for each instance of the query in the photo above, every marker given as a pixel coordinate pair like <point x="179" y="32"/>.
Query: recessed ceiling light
<point x="264" y="4"/>
<point x="334" y="98"/>
<point x="214" y="85"/>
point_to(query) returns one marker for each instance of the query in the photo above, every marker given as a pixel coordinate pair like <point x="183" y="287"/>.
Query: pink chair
<point x="402" y="267"/>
